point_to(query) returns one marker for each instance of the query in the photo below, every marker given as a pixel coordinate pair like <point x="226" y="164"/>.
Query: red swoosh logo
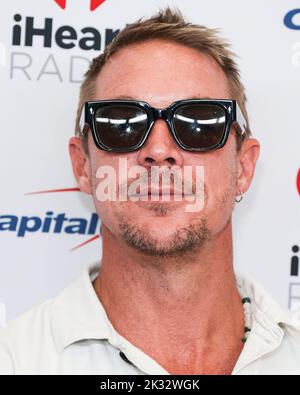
<point x="298" y="181"/>
<point x="54" y="190"/>
<point x="93" y="4"/>
<point x="85" y="242"/>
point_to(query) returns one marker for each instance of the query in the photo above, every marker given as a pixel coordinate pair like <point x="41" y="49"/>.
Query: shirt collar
<point x="268" y="321"/>
<point x="262" y="302"/>
<point x="77" y="314"/>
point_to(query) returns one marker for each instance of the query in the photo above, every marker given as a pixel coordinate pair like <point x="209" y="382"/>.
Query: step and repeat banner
<point x="48" y="229"/>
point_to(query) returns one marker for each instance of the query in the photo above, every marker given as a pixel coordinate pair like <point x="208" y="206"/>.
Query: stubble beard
<point x="182" y="242"/>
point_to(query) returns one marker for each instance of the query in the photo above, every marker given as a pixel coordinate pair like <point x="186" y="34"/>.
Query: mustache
<point x="162" y="179"/>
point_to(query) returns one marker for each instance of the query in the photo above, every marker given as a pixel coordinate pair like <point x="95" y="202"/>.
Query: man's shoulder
<point x="24" y="334"/>
<point x="40" y="317"/>
<point x="27" y="321"/>
<point x="33" y="332"/>
<point x="39" y="334"/>
<point x="38" y="320"/>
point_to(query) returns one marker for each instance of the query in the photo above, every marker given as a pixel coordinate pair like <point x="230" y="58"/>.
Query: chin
<point x="163" y="237"/>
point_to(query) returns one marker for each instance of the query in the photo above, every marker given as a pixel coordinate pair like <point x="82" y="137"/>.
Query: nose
<point x="160" y="148"/>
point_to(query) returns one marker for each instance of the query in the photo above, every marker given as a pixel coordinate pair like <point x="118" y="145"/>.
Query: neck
<point x="188" y="300"/>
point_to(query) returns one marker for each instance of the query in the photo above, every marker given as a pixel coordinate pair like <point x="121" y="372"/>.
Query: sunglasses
<point x="196" y="124"/>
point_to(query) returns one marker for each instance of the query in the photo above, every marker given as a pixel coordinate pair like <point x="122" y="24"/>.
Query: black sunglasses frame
<point x="231" y="109"/>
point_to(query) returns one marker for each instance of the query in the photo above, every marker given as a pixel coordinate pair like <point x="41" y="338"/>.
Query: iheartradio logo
<point x="93" y="4"/>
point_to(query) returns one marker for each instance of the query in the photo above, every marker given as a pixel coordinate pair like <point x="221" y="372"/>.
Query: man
<point x="166" y="299"/>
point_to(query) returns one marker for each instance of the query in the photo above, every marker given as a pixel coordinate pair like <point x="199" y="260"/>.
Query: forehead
<point x="161" y="72"/>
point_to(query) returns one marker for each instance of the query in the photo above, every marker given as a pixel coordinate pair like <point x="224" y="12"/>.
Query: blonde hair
<point x="168" y="25"/>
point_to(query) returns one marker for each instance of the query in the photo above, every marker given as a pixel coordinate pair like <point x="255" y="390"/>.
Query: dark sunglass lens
<point x="120" y="126"/>
<point x="200" y="125"/>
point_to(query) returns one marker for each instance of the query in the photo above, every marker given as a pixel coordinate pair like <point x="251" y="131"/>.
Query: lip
<point x="152" y="191"/>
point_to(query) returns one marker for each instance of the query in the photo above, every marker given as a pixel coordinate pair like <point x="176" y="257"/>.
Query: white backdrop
<point x="38" y="98"/>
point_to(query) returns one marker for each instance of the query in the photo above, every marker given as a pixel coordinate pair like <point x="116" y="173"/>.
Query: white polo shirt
<point x="71" y="334"/>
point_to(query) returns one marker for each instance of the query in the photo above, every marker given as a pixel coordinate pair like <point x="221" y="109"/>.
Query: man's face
<point x="159" y="73"/>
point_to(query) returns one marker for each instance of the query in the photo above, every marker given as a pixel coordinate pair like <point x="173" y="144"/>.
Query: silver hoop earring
<point x="240" y="198"/>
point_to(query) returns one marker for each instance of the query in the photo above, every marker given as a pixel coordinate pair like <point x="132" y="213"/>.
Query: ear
<point x="247" y="157"/>
<point x="81" y="165"/>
